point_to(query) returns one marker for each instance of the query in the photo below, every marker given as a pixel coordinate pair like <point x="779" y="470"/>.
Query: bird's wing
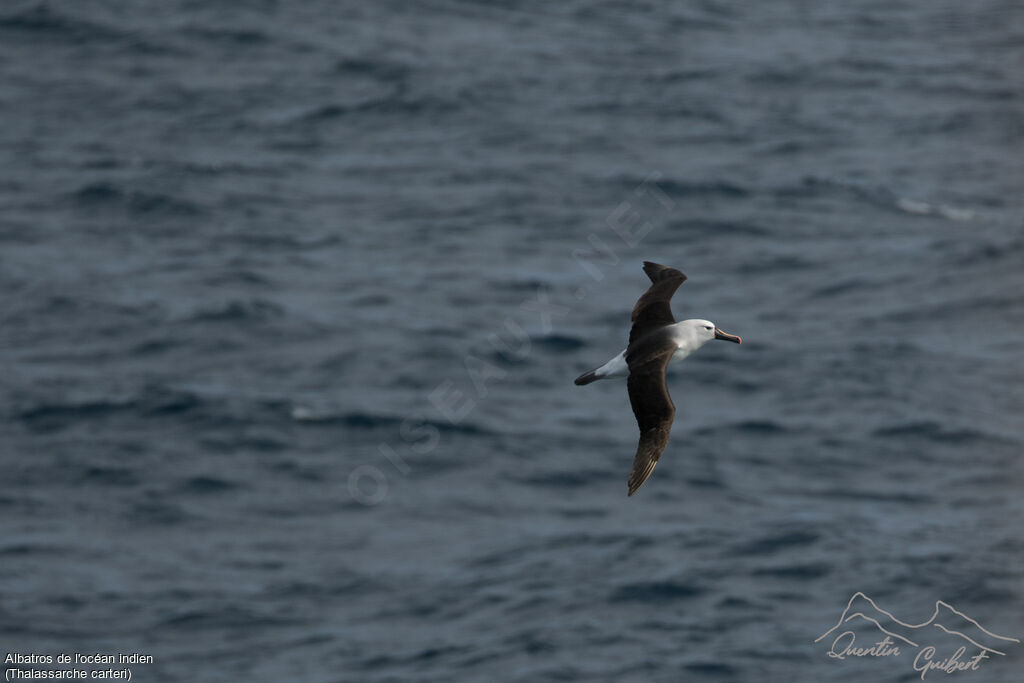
<point x="652" y="405"/>
<point x="653" y="310"/>
<point x="654" y="270"/>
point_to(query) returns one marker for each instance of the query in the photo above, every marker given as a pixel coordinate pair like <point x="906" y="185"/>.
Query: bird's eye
<point x="706" y="327"/>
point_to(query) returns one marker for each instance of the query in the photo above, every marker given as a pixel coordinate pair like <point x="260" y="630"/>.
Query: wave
<point x="757" y="427"/>
<point x="154" y="346"/>
<point x="842" y="287"/>
<point x="779" y="263"/>
<point x="48" y="412"/>
<point x="568" y="479"/>
<point x="102" y="194"/>
<point x="930" y="430"/>
<point x="681" y="75"/>
<point x="109" y="476"/>
<point x="958" y="253"/>
<point x="800" y="572"/>
<point x="712" y="669"/>
<point x="375" y="300"/>
<point x="394" y="104"/>
<point x="813" y="187"/>
<point x="772" y="544"/>
<point x="239" y="311"/>
<point x="206" y="485"/>
<point x="159" y="513"/>
<point x="275" y="240"/>
<point x="155" y="402"/>
<point x="920" y="208"/>
<point x="41" y="21"/>
<point x="655" y="591"/>
<point x="717" y="228"/>
<point x="237" y="276"/>
<point x="23" y="549"/>
<point x="227" y="617"/>
<point x="376" y="421"/>
<point x="678" y="188"/>
<point x="559" y="343"/>
<point x="381" y="70"/>
<point x="868" y="496"/>
<point x="810" y="76"/>
<point x="235" y="36"/>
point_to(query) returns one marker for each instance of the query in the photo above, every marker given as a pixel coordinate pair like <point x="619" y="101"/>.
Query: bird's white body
<point x="689" y="336"/>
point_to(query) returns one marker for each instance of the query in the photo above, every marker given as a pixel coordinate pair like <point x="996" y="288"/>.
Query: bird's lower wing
<point x="652" y="444"/>
<point x="652" y="405"/>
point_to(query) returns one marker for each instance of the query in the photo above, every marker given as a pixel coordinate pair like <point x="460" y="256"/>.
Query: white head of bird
<point x="694" y="333"/>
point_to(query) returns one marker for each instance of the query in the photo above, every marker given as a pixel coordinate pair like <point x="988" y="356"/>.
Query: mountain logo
<point x="947" y="628"/>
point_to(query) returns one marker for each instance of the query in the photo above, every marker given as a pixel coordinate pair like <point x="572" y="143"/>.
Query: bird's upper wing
<point x="655" y="270"/>
<point x="652" y="405"/>
<point x="653" y="310"/>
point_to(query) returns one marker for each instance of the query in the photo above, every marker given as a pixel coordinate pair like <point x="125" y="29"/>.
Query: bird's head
<point x="705" y="331"/>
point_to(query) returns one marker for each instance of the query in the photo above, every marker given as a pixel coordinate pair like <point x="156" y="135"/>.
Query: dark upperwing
<point x="653" y="310"/>
<point x="652" y="405"/>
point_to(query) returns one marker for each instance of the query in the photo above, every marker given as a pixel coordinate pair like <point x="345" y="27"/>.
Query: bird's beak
<point x="719" y="334"/>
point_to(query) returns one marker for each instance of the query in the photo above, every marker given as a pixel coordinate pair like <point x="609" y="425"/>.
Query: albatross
<point x="655" y="340"/>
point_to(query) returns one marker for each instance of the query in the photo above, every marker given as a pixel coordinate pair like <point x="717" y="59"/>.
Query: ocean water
<point x="293" y="295"/>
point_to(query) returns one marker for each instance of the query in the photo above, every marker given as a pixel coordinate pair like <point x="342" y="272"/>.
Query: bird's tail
<point x="587" y="377"/>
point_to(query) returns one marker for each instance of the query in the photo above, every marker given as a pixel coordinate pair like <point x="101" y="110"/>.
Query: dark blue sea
<point x="293" y="294"/>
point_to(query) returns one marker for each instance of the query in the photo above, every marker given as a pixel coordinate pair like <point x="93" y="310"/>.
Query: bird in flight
<point x="655" y="340"/>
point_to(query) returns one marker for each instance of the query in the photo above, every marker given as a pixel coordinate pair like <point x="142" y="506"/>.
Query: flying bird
<point x="655" y="340"/>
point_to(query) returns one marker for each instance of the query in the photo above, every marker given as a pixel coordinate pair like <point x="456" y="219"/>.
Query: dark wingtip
<point x="656" y="271"/>
<point x="636" y="481"/>
<point x="586" y="378"/>
<point x="652" y="268"/>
